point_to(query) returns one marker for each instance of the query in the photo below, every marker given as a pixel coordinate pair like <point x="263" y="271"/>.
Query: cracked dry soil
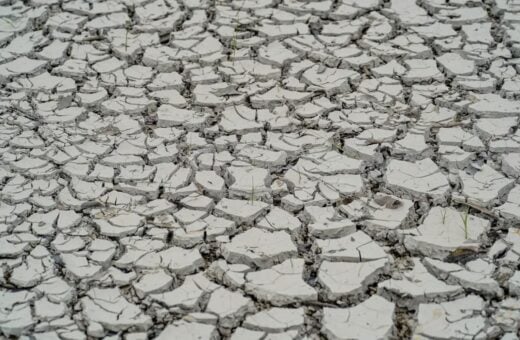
<point x="259" y="169"/>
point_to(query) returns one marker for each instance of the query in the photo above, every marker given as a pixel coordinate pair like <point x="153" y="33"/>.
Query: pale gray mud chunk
<point x="282" y="284"/>
<point x="189" y="331"/>
<point x="275" y="319"/>
<point x="240" y="211"/>
<point x="458" y="319"/>
<point x="445" y="230"/>
<point x="371" y="319"/>
<point x="485" y="187"/>
<point x="349" y="280"/>
<point x="417" y="286"/>
<point x="421" y="179"/>
<point x="259" y="248"/>
<point x="109" y="308"/>
<point x="356" y="247"/>
<point x="229" y="306"/>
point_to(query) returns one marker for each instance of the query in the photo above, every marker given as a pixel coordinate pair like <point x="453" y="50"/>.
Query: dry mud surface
<point x="259" y="169"/>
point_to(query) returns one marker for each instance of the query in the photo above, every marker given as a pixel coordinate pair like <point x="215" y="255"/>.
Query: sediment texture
<point x="259" y="169"/>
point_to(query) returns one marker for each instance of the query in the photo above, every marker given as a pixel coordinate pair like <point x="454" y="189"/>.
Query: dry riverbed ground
<point x="259" y="169"/>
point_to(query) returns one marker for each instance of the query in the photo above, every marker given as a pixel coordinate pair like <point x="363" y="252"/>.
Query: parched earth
<point x="259" y="169"/>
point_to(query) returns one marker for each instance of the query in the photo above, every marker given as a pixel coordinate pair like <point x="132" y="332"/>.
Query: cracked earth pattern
<point x="259" y="169"/>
